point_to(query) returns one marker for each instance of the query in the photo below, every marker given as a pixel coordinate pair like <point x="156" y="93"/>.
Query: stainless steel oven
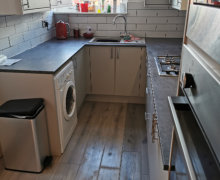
<point x="195" y="149"/>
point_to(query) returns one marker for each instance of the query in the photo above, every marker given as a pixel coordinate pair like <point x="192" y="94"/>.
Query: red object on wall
<point x="62" y="30"/>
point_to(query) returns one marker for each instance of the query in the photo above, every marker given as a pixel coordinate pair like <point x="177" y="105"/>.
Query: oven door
<point x="191" y="155"/>
<point x="202" y="88"/>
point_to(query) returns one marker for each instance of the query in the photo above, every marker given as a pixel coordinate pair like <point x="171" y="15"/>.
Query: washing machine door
<point x="69" y="100"/>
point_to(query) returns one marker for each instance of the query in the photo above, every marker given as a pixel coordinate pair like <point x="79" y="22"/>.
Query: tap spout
<point x="125" y="19"/>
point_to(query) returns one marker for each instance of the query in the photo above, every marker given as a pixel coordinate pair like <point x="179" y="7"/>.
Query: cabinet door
<point x="143" y="72"/>
<point x="80" y="72"/>
<point x="53" y="3"/>
<point x="60" y="3"/>
<point x="19" y="7"/>
<point x="35" y="4"/>
<point x="102" y="70"/>
<point x="128" y="63"/>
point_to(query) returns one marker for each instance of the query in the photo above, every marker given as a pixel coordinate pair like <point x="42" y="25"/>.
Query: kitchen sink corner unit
<point x="117" y="73"/>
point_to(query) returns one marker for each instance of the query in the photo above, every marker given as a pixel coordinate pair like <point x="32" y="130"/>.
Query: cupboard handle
<point x="118" y="51"/>
<point x="27" y="4"/>
<point x="147" y="91"/>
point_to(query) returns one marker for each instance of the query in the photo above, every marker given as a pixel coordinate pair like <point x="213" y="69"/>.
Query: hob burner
<point x="168" y="65"/>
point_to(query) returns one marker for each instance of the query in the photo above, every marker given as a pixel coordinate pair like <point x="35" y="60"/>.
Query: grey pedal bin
<point x="23" y="135"/>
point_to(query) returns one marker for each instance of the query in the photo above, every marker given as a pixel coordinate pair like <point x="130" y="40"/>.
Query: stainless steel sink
<point x="105" y="40"/>
<point x="115" y="40"/>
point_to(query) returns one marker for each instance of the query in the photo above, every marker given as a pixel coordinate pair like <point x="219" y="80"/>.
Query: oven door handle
<point x="181" y="140"/>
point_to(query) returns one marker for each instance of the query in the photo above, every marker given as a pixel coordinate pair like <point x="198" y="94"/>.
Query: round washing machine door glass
<point x="69" y="100"/>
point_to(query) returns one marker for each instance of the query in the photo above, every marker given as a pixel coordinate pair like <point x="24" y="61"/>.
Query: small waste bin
<point x="23" y="135"/>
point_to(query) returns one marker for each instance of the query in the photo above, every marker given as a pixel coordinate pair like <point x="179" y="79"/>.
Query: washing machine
<point x="66" y="103"/>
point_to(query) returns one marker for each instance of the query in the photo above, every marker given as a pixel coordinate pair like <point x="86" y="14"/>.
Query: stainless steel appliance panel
<point x="203" y="29"/>
<point x="204" y="97"/>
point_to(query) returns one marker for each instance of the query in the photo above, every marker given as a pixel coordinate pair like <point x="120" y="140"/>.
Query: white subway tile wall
<point x="20" y="33"/>
<point x="155" y="19"/>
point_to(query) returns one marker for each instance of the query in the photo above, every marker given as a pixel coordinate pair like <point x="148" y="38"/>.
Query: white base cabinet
<point x="118" y="70"/>
<point x="19" y="7"/>
<point x="29" y="85"/>
<point x="156" y="171"/>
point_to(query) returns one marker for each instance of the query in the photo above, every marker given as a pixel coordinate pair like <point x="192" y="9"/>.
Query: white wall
<point x="19" y="33"/>
<point x="157" y="19"/>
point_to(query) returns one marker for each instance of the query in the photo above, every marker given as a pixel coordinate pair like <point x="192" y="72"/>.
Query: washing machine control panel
<point x="66" y="74"/>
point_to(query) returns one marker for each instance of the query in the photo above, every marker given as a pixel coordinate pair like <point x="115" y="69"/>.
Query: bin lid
<point x="21" y="108"/>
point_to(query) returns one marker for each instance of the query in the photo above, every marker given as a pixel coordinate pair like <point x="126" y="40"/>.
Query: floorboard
<point x="65" y="172"/>
<point x="133" y="128"/>
<point x="130" y="168"/>
<point x="86" y="123"/>
<point x="114" y="140"/>
<point x="108" y="174"/>
<point x="109" y="143"/>
<point x="45" y="175"/>
<point x="94" y="151"/>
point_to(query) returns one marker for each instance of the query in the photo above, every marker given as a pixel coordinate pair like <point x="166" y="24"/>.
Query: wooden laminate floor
<point x="109" y="143"/>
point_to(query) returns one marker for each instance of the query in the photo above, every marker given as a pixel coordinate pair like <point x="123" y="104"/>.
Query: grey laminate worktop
<point x="163" y="87"/>
<point x="50" y="56"/>
<point x="47" y="57"/>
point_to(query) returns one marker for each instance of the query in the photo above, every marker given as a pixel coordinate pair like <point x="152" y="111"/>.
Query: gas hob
<point x="168" y="65"/>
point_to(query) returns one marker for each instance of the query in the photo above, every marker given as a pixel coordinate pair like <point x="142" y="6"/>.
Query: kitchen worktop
<point x="50" y="56"/>
<point x="163" y="87"/>
<point x="47" y="57"/>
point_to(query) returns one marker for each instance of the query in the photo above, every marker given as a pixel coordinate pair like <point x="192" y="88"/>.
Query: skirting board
<point x="115" y="99"/>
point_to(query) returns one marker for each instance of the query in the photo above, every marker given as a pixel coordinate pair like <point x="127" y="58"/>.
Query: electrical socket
<point x="45" y="24"/>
